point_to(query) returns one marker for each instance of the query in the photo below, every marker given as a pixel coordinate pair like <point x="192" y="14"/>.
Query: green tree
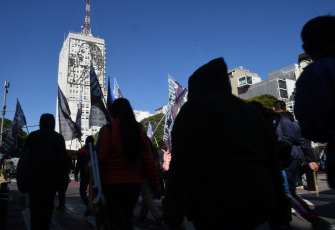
<point x="21" y="137"/>
<point x="154" y="120"/>
<point x="266" y="100"/>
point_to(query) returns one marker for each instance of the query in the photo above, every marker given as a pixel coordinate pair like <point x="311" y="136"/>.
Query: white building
<point x="140" y="115"/>
<point x="74" y="76"/>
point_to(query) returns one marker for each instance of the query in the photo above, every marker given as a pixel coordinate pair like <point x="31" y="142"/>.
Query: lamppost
<point x="4" y="109"/>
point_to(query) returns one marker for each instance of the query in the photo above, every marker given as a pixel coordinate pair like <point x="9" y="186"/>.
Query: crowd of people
<point x="211" y="147"/>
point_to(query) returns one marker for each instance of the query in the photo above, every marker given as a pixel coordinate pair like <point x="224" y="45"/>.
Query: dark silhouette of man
<point x="220" y="146"/>
<point x="315" y="98"/>
<point x="48" y="170"/>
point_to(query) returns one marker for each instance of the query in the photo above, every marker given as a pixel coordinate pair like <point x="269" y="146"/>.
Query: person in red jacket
<point x="123" y="150"/>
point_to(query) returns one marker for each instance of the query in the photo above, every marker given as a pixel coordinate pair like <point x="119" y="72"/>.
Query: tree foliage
<point x="21" y="137"/>
<point x="154" y="120"/>
<point x="266" y="100"/>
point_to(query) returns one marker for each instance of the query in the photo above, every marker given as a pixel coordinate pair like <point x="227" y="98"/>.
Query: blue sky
<point x="145" y="41"/>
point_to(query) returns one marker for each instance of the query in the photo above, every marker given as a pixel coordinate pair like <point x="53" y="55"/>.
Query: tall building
<point x="78" y="50"/>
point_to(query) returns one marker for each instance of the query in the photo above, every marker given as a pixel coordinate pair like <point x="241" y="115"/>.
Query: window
<point x="242" y="81"/>
<point x="282" y="84"/>
<point x="283" y="93"/>
<point x="249" y="80"/>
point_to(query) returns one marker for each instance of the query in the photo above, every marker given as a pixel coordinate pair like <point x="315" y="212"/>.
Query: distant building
<point x="280" y="84"/>
<point x="78" y="50"/>
<point x="240" y="78"/>
<point x="140" y="115"/>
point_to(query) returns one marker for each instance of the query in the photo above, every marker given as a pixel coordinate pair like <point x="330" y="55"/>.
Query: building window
<point x="283" y="93"/>
<point x="282" y="84"/>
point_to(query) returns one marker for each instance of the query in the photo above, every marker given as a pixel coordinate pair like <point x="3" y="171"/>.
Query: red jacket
<point x="114" y="167"/>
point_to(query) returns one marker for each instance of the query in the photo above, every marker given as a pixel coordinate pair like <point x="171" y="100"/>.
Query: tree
<point x="154" y="120"/>
<point x="266" y="100"/>
<point x="21" y="137"/>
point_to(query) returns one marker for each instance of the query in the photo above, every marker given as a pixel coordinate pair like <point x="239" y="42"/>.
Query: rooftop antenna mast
<point x="87" y="25"/>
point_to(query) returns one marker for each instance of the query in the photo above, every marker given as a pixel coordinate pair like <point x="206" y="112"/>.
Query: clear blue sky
<point x="146" y="40"/>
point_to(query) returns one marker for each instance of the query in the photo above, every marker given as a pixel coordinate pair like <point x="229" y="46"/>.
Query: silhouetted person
<point x="315" y="98"/>
<point x="48" y="170"/>
<point x="123" y="151"/>
<point x="61" y="190"/>
<point x="220" y="146"/>
<point x="82" y="168"/>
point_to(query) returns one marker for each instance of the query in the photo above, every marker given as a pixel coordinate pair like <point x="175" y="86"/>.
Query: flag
<point x="116" y="91"/>
<point x="67" y="127"/>
<point x="79" y="112"/>
<point x="19" y="121"/>
<point x="177" y="96"/>
<point x="167" y="129"/>
<point x="150" y="132"/>
<point x="99" y="115"/>
<point x="110" y="98"/>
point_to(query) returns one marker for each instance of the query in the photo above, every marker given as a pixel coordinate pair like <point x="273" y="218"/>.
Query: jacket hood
<point x="47" y="122"/>
<point x="289" y="115"/>
<point x="210" y="77"/>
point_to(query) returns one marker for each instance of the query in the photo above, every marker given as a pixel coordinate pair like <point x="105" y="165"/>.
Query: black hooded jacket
<point x="220" y="146"/>
<point x="48" y="161"/>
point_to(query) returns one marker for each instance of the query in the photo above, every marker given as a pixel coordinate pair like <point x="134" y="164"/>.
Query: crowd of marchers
<point x="216" y="138"/>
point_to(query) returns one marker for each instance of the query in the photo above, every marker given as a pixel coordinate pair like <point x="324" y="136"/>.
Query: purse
<point x="22" y="176"/>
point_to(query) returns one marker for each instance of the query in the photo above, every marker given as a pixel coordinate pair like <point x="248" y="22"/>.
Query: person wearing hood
<point x="48" y="170"/>
<point x="220" y="146"/>
<point x="315" y="98"/>
<point x="289" y="144"/>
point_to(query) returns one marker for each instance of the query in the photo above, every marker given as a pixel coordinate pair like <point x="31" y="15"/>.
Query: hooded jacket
<point x="220" y="146"/>
<point x="48" y="161"/>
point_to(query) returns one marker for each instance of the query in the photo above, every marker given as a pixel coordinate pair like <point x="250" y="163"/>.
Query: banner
<point x="80" y="111"/>
<point x="99" y="115"/>
<point x="10" y="143"/>
<point x="67" y="128"/>
<point x="117" y="91"/>
<point x="110" y="98"/>
<point x="150" y="132"/>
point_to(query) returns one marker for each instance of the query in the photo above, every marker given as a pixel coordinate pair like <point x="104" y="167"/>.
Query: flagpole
<point x="27" y="129"/>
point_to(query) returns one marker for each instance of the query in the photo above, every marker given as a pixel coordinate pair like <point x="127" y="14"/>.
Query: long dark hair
<point x="132" y="142"/>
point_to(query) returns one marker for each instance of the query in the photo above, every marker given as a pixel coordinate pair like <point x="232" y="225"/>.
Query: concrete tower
<point x="74" y="74"/>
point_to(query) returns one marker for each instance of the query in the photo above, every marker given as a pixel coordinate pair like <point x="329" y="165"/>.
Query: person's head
<point x="89" y="139"/>
<point x="210" y="77"/>
<point x="132" y="141"/>
<point x="279" y="106"/>
<point x="47" y="122"/>
<point x="318" y="36"/>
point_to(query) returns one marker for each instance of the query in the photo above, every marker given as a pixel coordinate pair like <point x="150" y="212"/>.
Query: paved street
<point x="73" y="216"/>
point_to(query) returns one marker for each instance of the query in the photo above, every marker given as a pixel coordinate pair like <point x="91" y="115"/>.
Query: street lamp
<point x="4" y="109"/>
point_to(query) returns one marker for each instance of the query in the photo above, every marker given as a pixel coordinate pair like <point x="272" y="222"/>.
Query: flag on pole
<point x="117" y="91"/>
<point x="19" y="121"/>
<point x="150" y="132"/>
<point x="177" y="97"/>
<point x="79" y="112"/>
<point x="110" y="98"/>
<point x="67" y="127"/>
<point x="99" y="115"/>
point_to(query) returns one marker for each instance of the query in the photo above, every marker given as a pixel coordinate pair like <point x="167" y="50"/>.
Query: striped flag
<point x="79" y="112"/>
<point x="99" y="115"/>
<point x="117" y="91"/>
<point x="19" y="121"/>
<point x="67" y="127"/>
<point x="110" y="98"/>
<point x="150" y="131"/>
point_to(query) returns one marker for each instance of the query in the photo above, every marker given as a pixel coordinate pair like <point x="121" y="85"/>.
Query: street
<point x="73" y="216"/>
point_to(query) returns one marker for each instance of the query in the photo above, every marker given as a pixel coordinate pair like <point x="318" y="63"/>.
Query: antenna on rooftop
<point x="87" y="25"/>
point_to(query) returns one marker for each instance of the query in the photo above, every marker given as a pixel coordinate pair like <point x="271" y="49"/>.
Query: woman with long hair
<point x="123" y="151"/>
